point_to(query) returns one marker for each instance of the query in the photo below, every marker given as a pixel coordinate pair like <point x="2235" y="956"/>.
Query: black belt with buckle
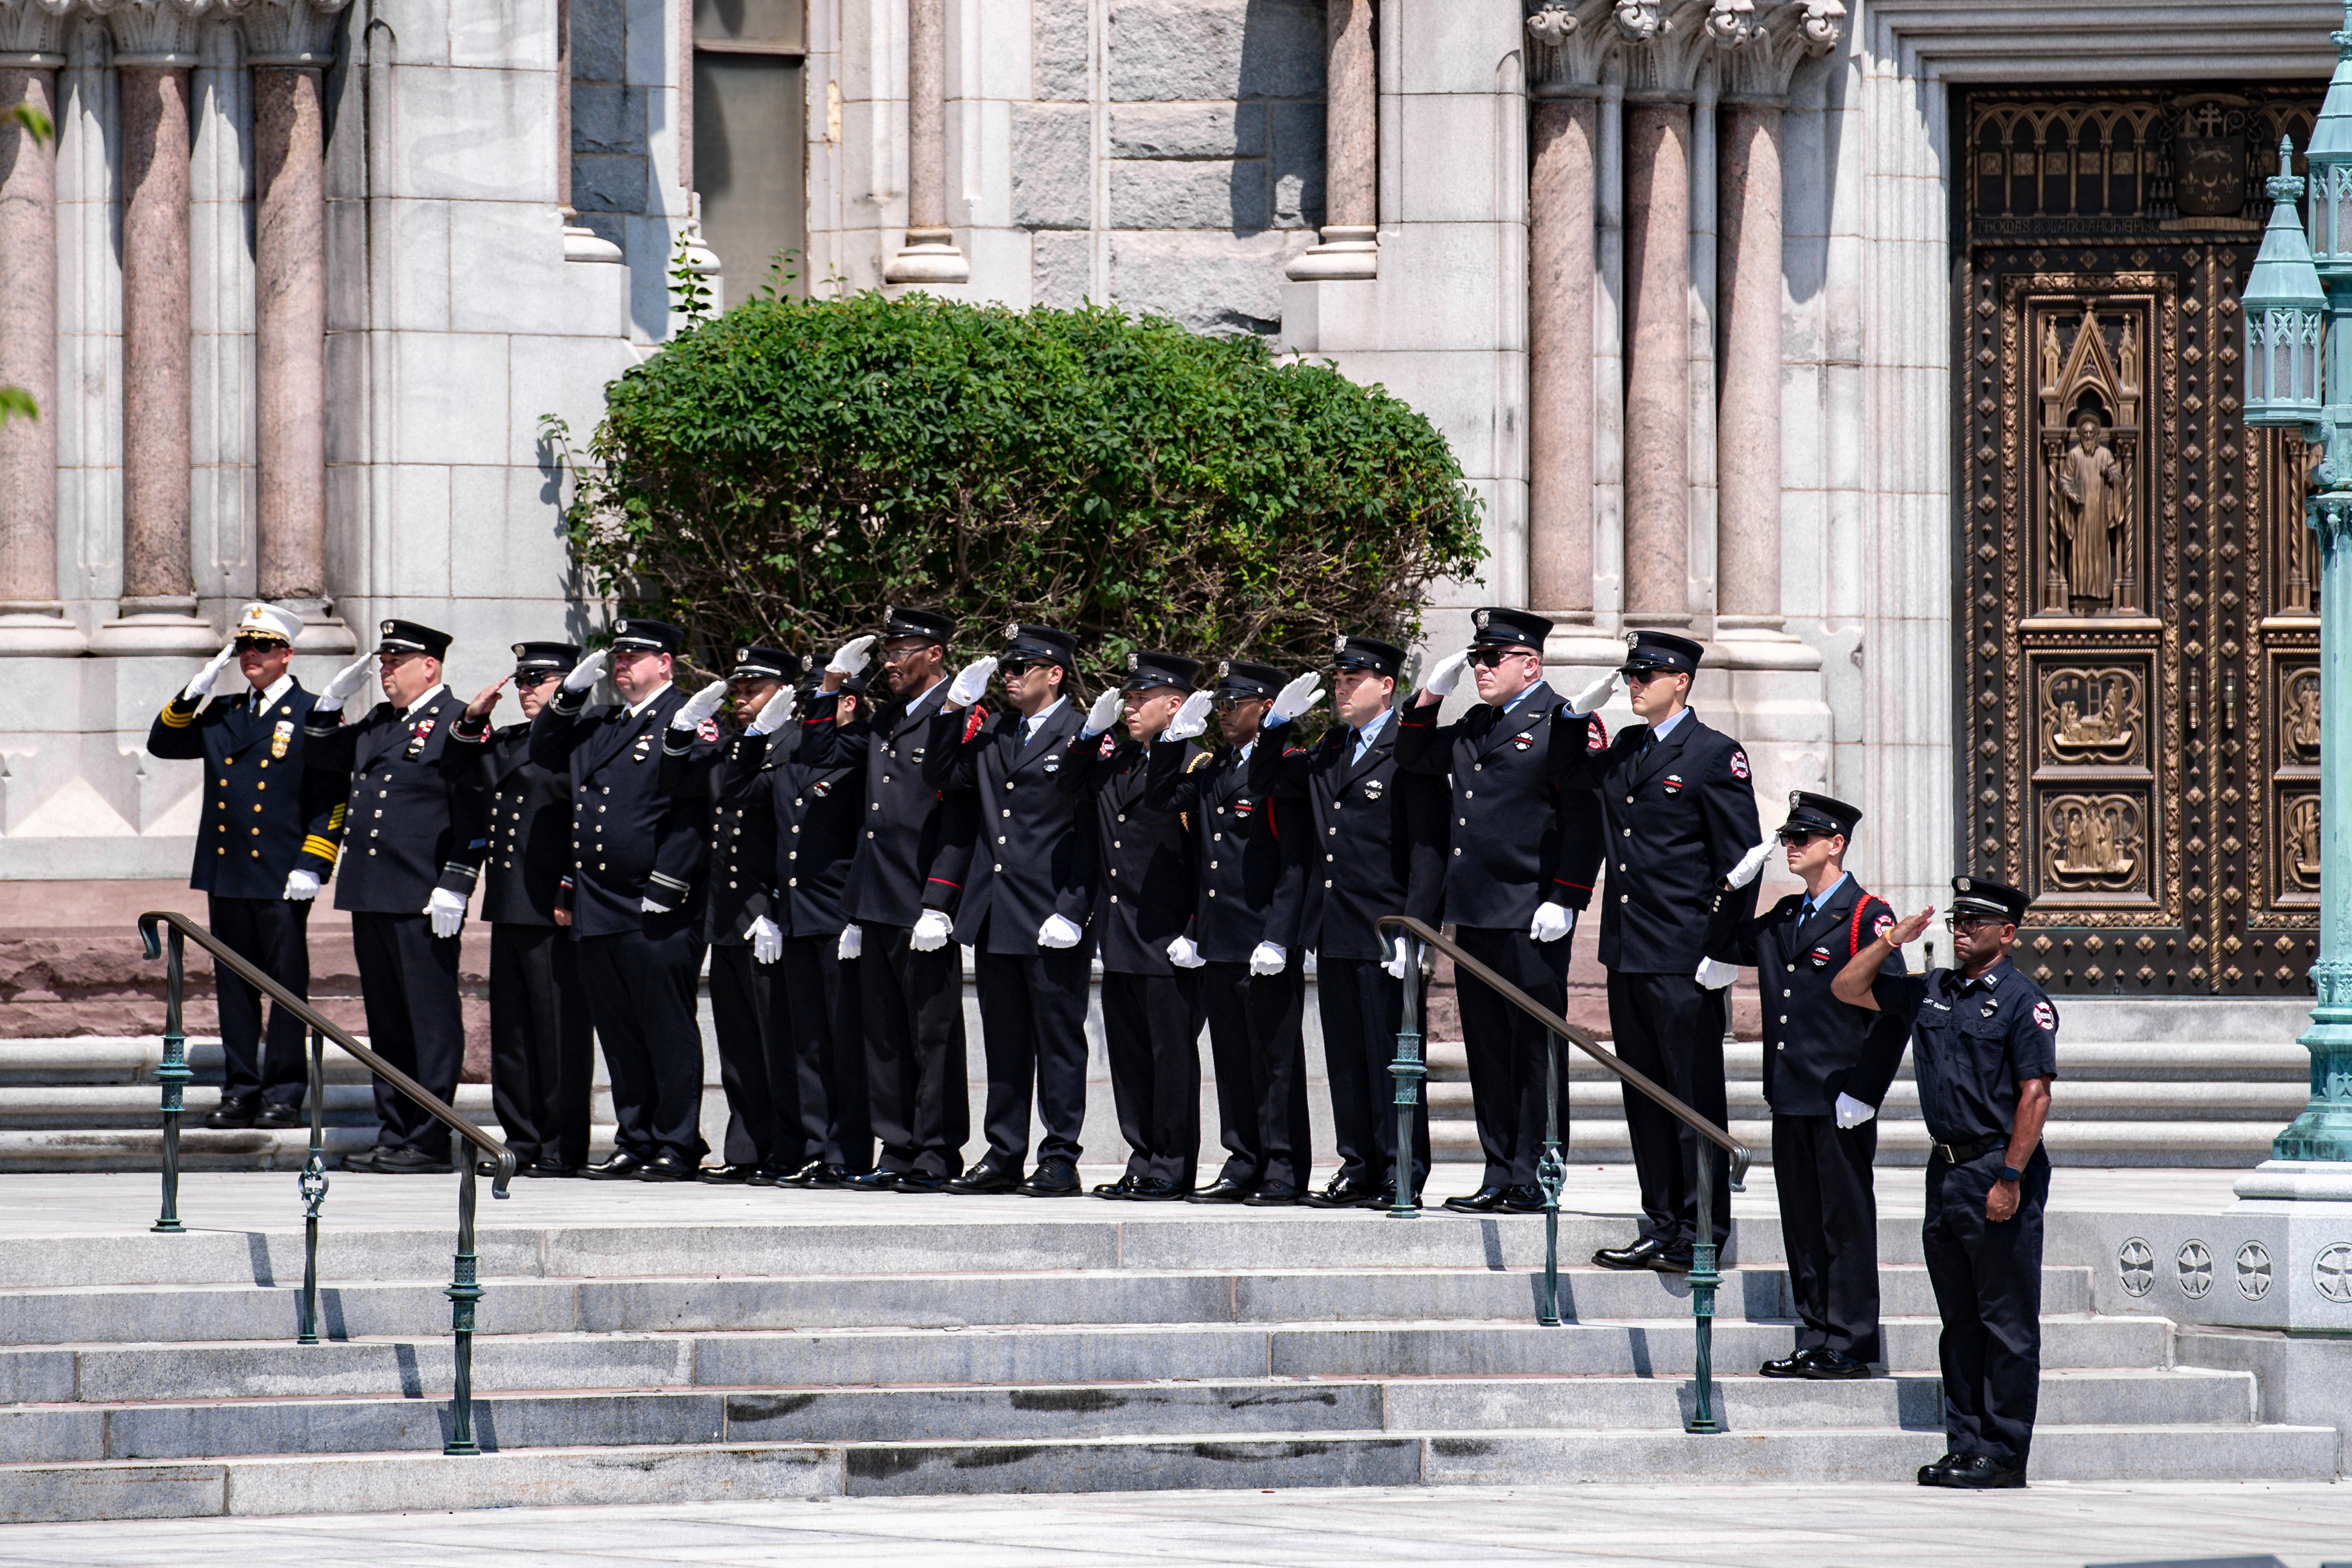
<point x="1961" y="1154"/>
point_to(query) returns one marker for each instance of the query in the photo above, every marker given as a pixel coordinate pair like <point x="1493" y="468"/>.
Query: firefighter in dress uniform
<point x="636" y="888"/>
<point x="1378" y="847"/>
<point x="1251" y="867"/>
<point x="542" y="1063"/>
<point x="416" y="844"/>
<point x="1027" y="902"/>
<point x="1518" y="867"/>
<point x="1827" y="1066"/>
<point x="1984" y="1049"/>
<point x="261" y="854"/>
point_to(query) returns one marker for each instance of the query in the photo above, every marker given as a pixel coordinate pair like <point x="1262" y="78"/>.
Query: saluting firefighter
<point x="1678" y="812"/>
<point x="542" y="1063"/>
<point x="1378" y="847"/>
<point x="903" y="886"/>
<point x="1144" y="903"/>
<point x="1026" y="903"/>
<point x="261" y="854"/>
<point x="1984" y="1049"/>
<point x="1827" y="1066"/>
<point x="415" y="843"/>
<point x="1251" y="866"/>
<point x="636" y="888"/>
<point x="1518" y="867"/>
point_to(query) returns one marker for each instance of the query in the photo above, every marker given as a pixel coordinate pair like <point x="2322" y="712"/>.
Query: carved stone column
<point x="289" y="44"/>
<point x="1351" y="245"/>
<point x="1657" y="363"/>
<point x="155" y="48"/>
<point x="930" y="254"/>
<point x="31" y="50"/>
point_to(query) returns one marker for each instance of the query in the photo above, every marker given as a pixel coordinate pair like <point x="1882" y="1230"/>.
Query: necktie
<point x="1805" y="914"/>
<point x="1023" y="740"/>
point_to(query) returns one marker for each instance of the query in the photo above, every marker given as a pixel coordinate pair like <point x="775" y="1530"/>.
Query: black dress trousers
<point x="273" y="935"/>
<point x="542" y="1049"/>
<point x="1829" y="1228"/>
<point x="1670" y="1027"/>
<point x="819" y="1018"/>
<point x="1151" y="1033"/>
<point x="1261" y="1065"/>
<point x="1033" y="1028"/>
<point x="755" y="1061"/>
<point x="408" y="979"/>
<point x="1509" y="1082"/>
<point x="1362" y="1009"/>
<point x="1988" y="1281"/>
<point x="915" y="1084"/>
<point x="641" y="987"/>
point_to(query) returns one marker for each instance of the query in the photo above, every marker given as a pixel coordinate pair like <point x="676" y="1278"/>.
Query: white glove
<point x="766" y="940"/>
<point x="852" y="942"/>
<point x="447" y="911"/>
<point x="1059" y="931"/>
<point x="1296" y="699"/>
<point x="1267" y="958"/>
<point x="201" y="685"/>
<point x="1446" y="674"/>
<point x="1852" y="1112"/>
<point x="588" y="671"/>
<point x="1595" y="696"/>
<point x="301" y="885"/>
<point x="1105" y="712"/>
<point x="1716" y="976"/>
<point x="777" y="713"/>
<point x="646" y="906"/>
<point x="1191" y="718"/>
<point x="346" y="682"/>
<point x="1185" y="953"/>
<point x="1749" y="865"/>
<point x="1398" y="960"/>
<point x="932" y="932"/>
<point x="1552" y="922"/>
<point x="851" y="657"/>
<point x="701" y="706"/>
<point x="971" y="681"/>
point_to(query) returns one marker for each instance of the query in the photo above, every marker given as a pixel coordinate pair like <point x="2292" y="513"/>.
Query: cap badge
<point x="385" y="628"/>
<point x="1632" y="639"/>
<point x="1481" y="618"/>
<point x="1012" y="631"/>
<point x="1964" y="885"/>
<point x="1223" y="665"/>
<point x="1794" y="797"/>
<point x="1338" y="647"/>
<point x="1134" y="662"/>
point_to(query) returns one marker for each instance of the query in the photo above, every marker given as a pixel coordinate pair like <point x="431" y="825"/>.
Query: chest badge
<point x="1052" y="764"/>
<point x="820" y="789"/>
<point x="1374" y="789"/>
<point x="1674" y="783"/>
<point x="1243" y="806"/>
<point x="418" y="734"/>
<point x="1523" y="740"/>
<point x="280" y="738"/>
<point x="1990" y="1008"/>
<point x="1821" y="957"/>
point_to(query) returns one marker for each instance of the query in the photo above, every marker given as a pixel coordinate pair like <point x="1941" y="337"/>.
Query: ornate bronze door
<point x="2138" y="722"/>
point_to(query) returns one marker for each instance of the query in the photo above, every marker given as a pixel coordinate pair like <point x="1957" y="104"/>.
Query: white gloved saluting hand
<point x="200" y="684"/>
<point x="852" y="656"/>
<point x="346" y="683"/>
<point x="1716" y="976"/>
<point x="447" y="911"/>
<point x="1595" y="696"/>
<point x="1296" y="699"/>
<point x="766" y="940"/>
<point x="1446" y="674"/>
<point x="932" y="932"/>
<point x="1191" y="718"/>
<point x="1059" y="931"/>
<point x="971" y="681"/>
<point x="1105" y="712"/>
<point x="1749" y="865"/>
<point x="777" y="713"/>
<point x="588" y="671"/>
<point x="701" y="706"/>
<point x="1552" y="922"/>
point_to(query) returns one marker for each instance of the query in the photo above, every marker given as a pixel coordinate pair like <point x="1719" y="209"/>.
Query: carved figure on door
<point x="2090" y="509"/>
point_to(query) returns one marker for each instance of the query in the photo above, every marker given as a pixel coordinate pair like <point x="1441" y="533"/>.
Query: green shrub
<point x="783" y="471"/>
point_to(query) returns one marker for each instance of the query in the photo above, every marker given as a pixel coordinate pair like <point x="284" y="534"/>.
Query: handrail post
<point x="463" y="1292"/>
<point x="173" y="1075"/>
<point x="1408" y="1069"/>
<point x="1551" y="1174"/>
<point x="1703" y="1281"/>
<point x="314" y="1192"/>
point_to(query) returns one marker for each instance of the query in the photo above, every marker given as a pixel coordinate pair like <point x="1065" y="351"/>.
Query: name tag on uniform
<point x="1674" y="783"/>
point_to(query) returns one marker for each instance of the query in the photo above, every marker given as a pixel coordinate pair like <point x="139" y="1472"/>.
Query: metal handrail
<point x="465" y="1287"/>
<point x="1551" y="1172"/>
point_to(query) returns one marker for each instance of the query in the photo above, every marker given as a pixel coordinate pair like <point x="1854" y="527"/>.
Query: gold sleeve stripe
<point x="175" y="719"/>
<point x="335" y="818"/>
<point x="325" y="848"/>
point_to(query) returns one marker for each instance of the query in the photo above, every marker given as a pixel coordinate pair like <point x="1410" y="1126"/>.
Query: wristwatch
<point x="2011" y="1173"/>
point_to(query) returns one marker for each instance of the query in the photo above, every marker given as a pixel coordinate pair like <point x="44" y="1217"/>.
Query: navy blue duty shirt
<point x="1972" y="1042"/>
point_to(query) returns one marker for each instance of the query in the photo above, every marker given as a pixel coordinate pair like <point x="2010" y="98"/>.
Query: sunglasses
<point x="1645" y="675"/>
<point x="1013" y="668"/>
<point x="1228" y="704"/>
<point x="258" y="644"/>
<point x="526" y="680"/>
<point x="901" y="655"/>
<point x="1488" y="658"/>
<point x="1972" y="923"/>
<point x="1798" y="838"/>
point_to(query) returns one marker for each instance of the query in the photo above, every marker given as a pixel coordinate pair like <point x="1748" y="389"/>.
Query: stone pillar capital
<point x="158" y="34"/>
<point x="32" y="33"/>
<point x="1762" y="43"/>
<point x="1568" y="44"/>
<point x="1665" y="46"/>
<point x="291" y="32"/>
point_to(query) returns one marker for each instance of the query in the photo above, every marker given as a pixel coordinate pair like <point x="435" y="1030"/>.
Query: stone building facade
<point x="1701" y="291"/>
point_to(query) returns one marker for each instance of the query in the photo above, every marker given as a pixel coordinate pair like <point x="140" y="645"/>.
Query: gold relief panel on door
<point x="2298" y="723"/>
<point x="2093" y="846"/>
<point x="2092" y="716"/>
<point x="2298" y="851"/>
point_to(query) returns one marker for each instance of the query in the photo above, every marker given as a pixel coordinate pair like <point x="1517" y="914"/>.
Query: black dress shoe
<point x="1974" y="1472"/>
<point x="362" y="1160"/>
<point x="623" y="1166"/>
<point x="767" y="1175"/>
<point x="1053" y="1179"/>
<point x="1793" y="1364"/>
<point x="1486" y="1200"/>
<point x="1827" y="1365"/>
<point x="1122" y="1189"/>
<point x="1274" y="1196"/>
<point x="550" y="1168"/>
<point x="666" y="1168"/>
<point x="1342" y="1194"/>
<point x="874" y="1181"/>
<point x="819" y="1173"/>
<point x="236" y="1110"/>
<point x="281" y="1113"/>
<point x="409" y="1162"/>
<point x="1638" y="1256"/>
<point x="1158" y="1190"/>
<point x="1932" y="1475"/>
<point x="920" y="1181"/>
<point x="1386" y="1198"/>
<point x="1224" y="1190"/>
<point x="1525" y="1199"/>
<point x="1672" y="1261"/>
<point x="982" y="1179"/>
<point x="722" y="1175"/>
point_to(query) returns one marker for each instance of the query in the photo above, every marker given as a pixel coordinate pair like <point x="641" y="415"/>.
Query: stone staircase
<point x="975" y="1346"/>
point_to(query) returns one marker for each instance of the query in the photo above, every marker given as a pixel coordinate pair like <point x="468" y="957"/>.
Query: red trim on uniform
<point x="1564" y="882"/>
<point x="974" y="720"/>
<point x="943" y="882"/>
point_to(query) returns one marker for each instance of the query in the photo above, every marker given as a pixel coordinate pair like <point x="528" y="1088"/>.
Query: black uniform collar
<point x="1990" y="980"/>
